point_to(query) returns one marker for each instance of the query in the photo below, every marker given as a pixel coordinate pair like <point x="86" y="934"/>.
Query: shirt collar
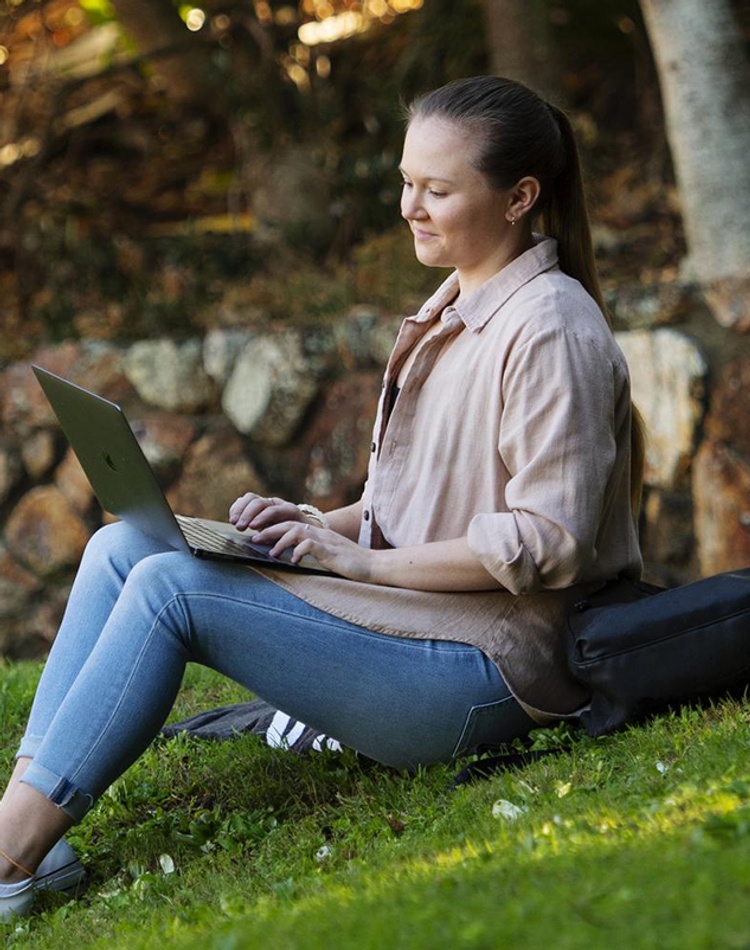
<point x="478" y="307"/>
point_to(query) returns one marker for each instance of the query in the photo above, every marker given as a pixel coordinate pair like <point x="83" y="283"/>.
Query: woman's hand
<point x="329" y="549"/>
<point x="439" y="566"/>
<point x="257" y="512"/>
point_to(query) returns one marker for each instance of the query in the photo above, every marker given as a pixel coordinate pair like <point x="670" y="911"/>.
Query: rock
<point x="729" y="301"/>
<point x="221" y="347"/>
<point x="17" y="585"/>
<point x="721" y="474"/>
<point x="216" y="471"/>
<point x="366" y="337"/>
<point x="728" y="419"/>
<point x="17" y="644"/>
<point x="100" y="367"/>
<point x="337" y="442"/>
<point x="164" y="439"/>
<point x="73" y="483"/>
<point x="668" y="373"/>
<point x="96" y="366"/>
<point x="44" y="533"/>
<point x="170" y="375"/>
<point x="647" y="304"/>
<point x="667" y="536"/>
<point x="721" y="499"/>
<point x="38" y="453"/>
<point x="23" y="405"/>
<point x="29" y="634"/>
<point x="42" y="624"/>
<point x="10" y="470"/>
<point x="271" y="388"/>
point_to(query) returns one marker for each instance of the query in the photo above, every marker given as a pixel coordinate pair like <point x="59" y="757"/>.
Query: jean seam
<point x="469" y="721"/>
<point x="447" y="646"/>
<point x="146" y="642"/>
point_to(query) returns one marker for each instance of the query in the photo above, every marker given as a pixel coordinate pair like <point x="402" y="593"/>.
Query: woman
<point x="499" y="491"/>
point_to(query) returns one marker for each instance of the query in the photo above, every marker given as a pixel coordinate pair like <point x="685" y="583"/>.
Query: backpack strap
<point x="484" y="768"/>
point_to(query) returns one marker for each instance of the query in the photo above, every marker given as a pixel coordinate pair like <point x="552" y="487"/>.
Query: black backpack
<point x="640" y="649"/>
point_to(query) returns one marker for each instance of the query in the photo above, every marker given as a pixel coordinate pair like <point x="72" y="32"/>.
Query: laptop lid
<point x="112" y="459"/>
<point x="125" y="484"/>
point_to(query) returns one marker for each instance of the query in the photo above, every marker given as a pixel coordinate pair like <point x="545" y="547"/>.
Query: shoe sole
<point x="19" y="905"/>
<point x="65" y="880"/>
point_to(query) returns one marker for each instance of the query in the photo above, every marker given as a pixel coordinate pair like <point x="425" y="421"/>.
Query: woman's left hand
<point x="330" y="549"/>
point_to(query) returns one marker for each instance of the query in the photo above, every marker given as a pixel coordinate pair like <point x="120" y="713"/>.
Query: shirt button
<point x="372" y="446"/>
<point x="366" y="515"/>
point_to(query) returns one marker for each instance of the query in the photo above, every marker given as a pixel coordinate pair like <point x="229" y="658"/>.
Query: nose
<point x="411" y="204"/>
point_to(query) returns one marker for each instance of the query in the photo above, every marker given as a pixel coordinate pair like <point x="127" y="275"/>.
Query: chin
<point x="424" y="256"/>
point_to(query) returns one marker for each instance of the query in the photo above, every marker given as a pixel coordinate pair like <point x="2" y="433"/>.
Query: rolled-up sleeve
<point x="557" y="440"/>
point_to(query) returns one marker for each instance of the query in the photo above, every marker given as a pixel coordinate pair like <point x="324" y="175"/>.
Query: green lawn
<point x="640" y="840"/>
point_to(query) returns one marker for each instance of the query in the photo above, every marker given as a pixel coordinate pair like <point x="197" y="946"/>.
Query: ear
<point x="522" y="198"/>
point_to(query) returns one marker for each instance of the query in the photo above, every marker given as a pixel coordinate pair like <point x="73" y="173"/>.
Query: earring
<point x="512" y="221"/>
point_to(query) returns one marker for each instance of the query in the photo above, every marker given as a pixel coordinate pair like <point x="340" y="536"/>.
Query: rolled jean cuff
<point x="73" y="801"/>
<point x="29" y="747"/>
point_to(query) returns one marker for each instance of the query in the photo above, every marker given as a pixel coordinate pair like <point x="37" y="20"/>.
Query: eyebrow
<point x="446" y="181"/>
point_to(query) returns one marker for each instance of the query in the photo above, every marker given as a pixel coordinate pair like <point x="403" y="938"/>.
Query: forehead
<point x="439" y="148"/>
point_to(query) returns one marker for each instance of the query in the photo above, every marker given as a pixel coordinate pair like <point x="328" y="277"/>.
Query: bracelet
<point x="15" y="863"/>
<point x="315" y="513"/>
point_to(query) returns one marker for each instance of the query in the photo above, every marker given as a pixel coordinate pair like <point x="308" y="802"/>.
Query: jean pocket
<point x="493" y="724"/>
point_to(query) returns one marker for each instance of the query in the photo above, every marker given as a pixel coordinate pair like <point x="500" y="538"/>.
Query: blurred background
<point x="199" y="218"/>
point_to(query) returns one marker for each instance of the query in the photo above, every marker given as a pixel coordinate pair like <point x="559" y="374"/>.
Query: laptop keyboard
<point x="202" y="536"/>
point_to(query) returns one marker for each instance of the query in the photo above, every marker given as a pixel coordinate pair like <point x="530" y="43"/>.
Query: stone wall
<point x="285" y="411"/>
<point x="290" y="411"/>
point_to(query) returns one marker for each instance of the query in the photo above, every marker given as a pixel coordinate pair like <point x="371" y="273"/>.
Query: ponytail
<point x="565" y="218"/>
<point x="565" y="215"/>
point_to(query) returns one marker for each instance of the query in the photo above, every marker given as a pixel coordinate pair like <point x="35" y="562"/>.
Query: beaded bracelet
<point x="315" y="513"/>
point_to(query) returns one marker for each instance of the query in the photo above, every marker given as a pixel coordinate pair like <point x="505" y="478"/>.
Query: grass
<point x="639" y="840"/>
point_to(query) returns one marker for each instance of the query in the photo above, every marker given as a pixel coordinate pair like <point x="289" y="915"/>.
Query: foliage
<point x="638" y="840"/>
<point x="98" y="11"/>
<point x="126" y="214"/>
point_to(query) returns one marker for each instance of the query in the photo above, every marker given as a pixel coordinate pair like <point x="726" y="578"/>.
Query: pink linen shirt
<point x="512" y="428"/>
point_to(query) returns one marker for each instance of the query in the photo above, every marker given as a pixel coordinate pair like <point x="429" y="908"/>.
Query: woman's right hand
<point x="257" y="512"/>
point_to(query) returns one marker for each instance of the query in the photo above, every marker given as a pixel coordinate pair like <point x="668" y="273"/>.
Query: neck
<point x="469" y="281"/>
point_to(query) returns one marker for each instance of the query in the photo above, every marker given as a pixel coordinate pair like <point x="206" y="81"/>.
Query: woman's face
<point x="457" y="218"/>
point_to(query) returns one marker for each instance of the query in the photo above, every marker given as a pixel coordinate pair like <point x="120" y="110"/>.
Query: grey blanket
<point x="259" y="718"/>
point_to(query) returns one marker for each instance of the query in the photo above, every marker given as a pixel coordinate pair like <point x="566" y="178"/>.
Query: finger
<point x="271" y="532"/>
<point x="276" y="510"/>
<point x="307" y="547"/>
<point x="236" y="507"/>
<point x="251" y="510"/>
<point x="240" y="504"/>
<point x="293" y="535"/>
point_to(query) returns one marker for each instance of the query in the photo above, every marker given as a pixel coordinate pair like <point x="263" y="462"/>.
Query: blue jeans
<point x="138" y="613"/>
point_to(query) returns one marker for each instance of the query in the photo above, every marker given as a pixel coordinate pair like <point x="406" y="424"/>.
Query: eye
<point x="438" y="194"/>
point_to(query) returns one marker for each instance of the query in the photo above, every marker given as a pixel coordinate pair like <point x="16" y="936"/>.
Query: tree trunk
<point x="521" y="46"/>
<point x="704" y="75"/>
<point x="177" y="56"/>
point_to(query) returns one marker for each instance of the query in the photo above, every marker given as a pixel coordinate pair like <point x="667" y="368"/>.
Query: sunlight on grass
<point x="638" y="840"/>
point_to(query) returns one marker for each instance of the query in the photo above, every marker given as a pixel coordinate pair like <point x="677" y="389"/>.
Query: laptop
<point x="126" y="486"/>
